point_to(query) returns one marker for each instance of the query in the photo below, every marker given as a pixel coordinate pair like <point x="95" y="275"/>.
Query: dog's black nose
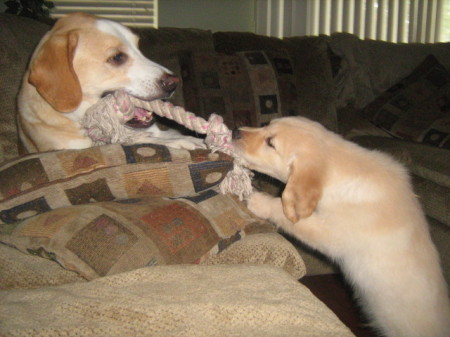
<point x="169" y="82"/>
<point x="236" y="134"/>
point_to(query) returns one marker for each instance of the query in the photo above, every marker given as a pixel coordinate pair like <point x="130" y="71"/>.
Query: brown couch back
<point x="18" y="38"/>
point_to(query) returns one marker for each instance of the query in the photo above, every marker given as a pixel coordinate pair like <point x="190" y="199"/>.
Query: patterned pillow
<point x="418" y="107"/>
<point x="38" y="183"/>
<point x="246" y="88"/>
<point x="109" y="237"/>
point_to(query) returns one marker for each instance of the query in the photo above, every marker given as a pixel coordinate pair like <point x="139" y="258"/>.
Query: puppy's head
<point x="84" y="57"/>
<point x="291" y="150"/>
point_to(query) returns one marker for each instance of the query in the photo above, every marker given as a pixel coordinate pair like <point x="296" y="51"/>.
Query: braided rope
<point x="218" y="136"/>
<point x="107" y="118"/>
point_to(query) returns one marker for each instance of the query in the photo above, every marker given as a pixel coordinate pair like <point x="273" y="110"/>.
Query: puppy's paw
<point x="187" y="143"/>
<point x="260" y="204"/>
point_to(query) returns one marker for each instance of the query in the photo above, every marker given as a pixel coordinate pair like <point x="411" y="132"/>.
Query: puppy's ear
<point x="303" y="189"/>
<point x="52" y="73"/>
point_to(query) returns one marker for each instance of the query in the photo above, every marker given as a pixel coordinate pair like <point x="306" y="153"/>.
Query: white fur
<point x="143" y="73"/>
<point x="47" y="124"/>
<point x="366" y="218"/>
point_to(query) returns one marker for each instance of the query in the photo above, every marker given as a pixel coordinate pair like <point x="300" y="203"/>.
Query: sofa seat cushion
<point x="225" y="300"/>
<point x="262" y="248"/>
<point x="429" y="167"/>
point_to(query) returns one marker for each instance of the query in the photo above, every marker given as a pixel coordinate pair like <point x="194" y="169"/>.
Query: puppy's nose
<point x="236" y="134"/>
<point x="169" y="82"/>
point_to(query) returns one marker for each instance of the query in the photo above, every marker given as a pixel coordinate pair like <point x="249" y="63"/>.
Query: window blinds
<point x="388" y="20"/>
<point x="138" y="13"/>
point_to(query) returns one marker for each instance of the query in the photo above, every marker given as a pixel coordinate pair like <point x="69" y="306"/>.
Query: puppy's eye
<point x="269" y="142"/>
<point x="118" y="59"/>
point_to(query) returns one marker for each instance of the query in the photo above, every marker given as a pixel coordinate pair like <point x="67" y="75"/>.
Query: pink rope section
<point x="218" y="136"/>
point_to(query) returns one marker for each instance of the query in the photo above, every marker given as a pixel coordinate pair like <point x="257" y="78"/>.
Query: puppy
<point x="76" y="63"/>
<point x="357" y="207"/>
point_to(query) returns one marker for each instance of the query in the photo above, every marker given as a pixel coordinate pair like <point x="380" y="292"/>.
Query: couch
<point x="137" y="240"/>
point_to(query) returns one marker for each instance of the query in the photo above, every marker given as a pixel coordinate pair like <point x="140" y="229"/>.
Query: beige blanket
<point x="184" y="300"/>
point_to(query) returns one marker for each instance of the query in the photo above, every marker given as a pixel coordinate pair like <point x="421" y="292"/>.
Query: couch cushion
<point x="417" y="108"/>
<point x="18" y="38"/>
<point x="105" y="238"/>
<point x="429" y="167"/>
<point x="312" y="92"/>
<point x="262" y="248"/>
<point x="37" y="183"/>
<point x="246" y="88"/>
<point x="165" y="46"/>
<point x="195" y="301"/>
<point x="314" y="80"/>
<point x="370" y="67"/>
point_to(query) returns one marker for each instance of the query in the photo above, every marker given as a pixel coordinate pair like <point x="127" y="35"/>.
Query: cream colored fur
<point x="78" y="61"/>
<point x="357" y="207"/>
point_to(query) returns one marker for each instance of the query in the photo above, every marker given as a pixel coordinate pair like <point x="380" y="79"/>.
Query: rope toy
<point x="105" y="124"/>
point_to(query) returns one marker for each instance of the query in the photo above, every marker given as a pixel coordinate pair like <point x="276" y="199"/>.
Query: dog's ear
<point x="303" y="188"/>
<point x="53" y="75"/>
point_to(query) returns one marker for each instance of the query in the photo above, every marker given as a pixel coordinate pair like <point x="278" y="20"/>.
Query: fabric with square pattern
<point x="109" y="237"/>
<point x="37" y="183"/>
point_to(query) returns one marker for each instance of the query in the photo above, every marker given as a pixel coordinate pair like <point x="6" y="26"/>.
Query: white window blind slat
<point x="360" y="18"/>
<point x="139" y="13"/>
<point x="349" y="19"/>
<point x="402" y="31"/>
<point x="392" y="21"/>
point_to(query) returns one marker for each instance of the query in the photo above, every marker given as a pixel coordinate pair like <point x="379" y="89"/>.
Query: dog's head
<point x="291" y="150"/>
<point x="84" y="57"/>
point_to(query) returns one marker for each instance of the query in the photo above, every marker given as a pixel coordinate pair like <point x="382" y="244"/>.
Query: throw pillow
<point x="109" y="237"/>
<point x="24" y="271"/>
<point x="171" y="42"/>
<point x="38" y="183"/>
<point x="418" y="107"/>
<point x="245" y="88"/>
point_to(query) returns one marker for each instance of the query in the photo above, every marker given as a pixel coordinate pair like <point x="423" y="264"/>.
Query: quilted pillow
<point x="109" y="237"/>
<point x="38" y="183"/>
<point x="418" y="107"/>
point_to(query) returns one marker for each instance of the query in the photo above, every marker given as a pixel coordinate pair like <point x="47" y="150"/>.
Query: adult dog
<point x="357" y="207"/>
<point x="81" y="59"/>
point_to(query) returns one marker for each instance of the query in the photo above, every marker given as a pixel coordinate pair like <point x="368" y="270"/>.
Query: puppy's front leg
<point x="268" y="207"/>
<point x="311" y="230"/>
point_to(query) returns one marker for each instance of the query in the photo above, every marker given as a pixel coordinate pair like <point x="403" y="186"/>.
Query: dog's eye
<point x="118" y="59"/>
<point x="269" y="142"/>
